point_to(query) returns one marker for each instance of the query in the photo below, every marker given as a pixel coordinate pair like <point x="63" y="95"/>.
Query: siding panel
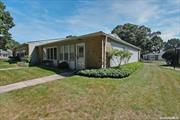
<point x="114" y="61"/>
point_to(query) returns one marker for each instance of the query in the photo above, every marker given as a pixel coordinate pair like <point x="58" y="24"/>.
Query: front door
<point x="80" y="54"/>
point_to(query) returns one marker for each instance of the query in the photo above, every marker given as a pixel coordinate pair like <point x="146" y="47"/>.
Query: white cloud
<point x="171" y="32"/>
<point x="107" y="14"/>
<point x="90" y="16"/>
<point x="139" y="10"/>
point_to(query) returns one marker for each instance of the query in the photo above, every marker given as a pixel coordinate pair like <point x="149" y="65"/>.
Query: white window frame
<point x="67" y="52"/>
<point x="70" y="47"/>
<point x="50" y="53"/>
<point x="62" y="46"/>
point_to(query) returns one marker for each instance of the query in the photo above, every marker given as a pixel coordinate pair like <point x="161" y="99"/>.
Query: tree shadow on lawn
<point x="64" y="72"/>
<point x="166" y="65"/>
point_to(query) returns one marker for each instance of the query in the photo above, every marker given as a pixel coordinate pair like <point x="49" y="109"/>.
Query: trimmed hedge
<point x="118" y="72"/>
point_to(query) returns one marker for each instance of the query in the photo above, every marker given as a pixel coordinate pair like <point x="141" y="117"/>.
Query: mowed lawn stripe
<point x="13" y="76"/>
<point x="149" y="93"/>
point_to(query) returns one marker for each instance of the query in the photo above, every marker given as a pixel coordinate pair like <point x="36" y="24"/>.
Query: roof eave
<point x="121" y="41"/>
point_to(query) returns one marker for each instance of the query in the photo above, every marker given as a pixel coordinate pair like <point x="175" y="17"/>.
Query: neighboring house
<point x="153" y="56"/>
<point x="5" y="54"/>
<point x="86" y="51"/>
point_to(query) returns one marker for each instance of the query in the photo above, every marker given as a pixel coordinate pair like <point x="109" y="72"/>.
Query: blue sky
<point x="46" y="19"/>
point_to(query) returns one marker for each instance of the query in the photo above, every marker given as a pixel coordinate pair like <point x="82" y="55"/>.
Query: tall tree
<point x="6" y="23"/>
<point x="140" y="36"/>
<point x="172" y="43"/>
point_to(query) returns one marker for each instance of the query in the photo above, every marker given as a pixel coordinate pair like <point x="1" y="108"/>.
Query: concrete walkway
<point x="2" y="69"/>
<point x="176" y="68"/>
<point x="32" y="82"/>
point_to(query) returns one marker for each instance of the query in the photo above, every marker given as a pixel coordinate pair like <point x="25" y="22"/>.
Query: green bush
<point x="170" y="56"/>
<point x="118" y="72"/>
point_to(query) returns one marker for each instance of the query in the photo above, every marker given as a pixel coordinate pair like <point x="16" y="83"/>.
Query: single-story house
<point x="86" y="51"/>
<point x="153" y="56"/>
<point x="5" y="54"/>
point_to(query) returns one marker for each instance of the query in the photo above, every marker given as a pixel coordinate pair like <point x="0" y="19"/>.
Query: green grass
<point x="5" y="64"/>
<point x="12" y="76"/>
<point x="26" y="73"/>
<point x="149" y="93"/>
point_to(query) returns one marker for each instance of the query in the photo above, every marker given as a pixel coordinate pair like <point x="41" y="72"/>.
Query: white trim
<point x="50" y="53"/>
<point x="67" y="45"/>
<point x="102" y="45"/>
<point x="68" y="52"/>
<point x="105" y="45"/>
<point x="79" y="44"/>
<point x="61" y="46"/>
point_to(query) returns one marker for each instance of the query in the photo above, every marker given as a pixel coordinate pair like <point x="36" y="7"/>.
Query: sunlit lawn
<point x="6" y="64"/>
<point x="149" y="93"/>
<point x="21" y="74"/>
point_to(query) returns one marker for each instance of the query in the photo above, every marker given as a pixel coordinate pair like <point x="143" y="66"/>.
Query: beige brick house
<point x="86" y="51"/>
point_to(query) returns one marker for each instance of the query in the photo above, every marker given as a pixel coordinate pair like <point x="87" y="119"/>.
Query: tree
<point x="170" y="56"/>
<point x="6" y="23"/>
<point x="172" y="43"/>
<point x="11" y="44"/>
<point x="157" y="44"/>
<point x="140" y="36"/>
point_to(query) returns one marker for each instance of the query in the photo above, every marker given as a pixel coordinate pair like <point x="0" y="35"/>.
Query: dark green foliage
<point x="170" y="56"/>
<point x="172" y="43"/>
<point x="118" y="72"/>
<point x="10" y="44"/>
<point x="6" y="23"/>
<point x="140" y="36"/>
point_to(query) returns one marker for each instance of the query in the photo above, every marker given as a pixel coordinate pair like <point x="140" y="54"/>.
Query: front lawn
<point x="17" y="75"/>
<point x="149" y="93"/>
<point x="6" y="64"/>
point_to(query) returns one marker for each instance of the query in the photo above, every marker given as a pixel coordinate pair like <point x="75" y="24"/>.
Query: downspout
<point x="105" y="52"/>
<point x="102" y="47"/>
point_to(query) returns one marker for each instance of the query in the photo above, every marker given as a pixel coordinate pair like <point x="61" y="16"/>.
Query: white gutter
<point x="105" y="51"/>
<point x="102" y="47"/>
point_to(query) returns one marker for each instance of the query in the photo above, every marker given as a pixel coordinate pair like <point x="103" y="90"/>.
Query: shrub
<point x="63" y="65"/>
<point x="14" y="59"/>
<point x="47" y="63"/>
<point x="117" y="72"/>
<point x="26" y="59"/>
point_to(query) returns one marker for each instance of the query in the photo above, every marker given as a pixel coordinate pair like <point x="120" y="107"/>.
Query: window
<point x="72" y="51"/>
<point x="66" y="52"/>
<point x="55" y="53"/>
<point x="51" y="50"/>
<point x="81" y="51"/>
<point x="51" y="53"/>
<point x="48" y="53"/>
<point x="61" y="55"/>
